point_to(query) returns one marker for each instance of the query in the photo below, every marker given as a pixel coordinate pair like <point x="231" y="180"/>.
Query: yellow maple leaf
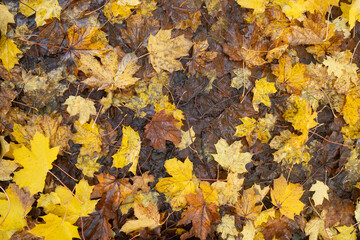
<point x="12" y="214"/>
<point x="110" y="73"/>
<point x="291" y="148"/>
<point x="253" y="130"/>
<point x="55" y="228"/>
<point x="117" y="11"/>
<point x="287" y="197"/>
<point x="209" y="192"/>
<point x="79" y="105"/>
<point x="257" y="5"/>
<point x="242" y="78"/>
<point x="129" y="150"/>
<point x="44" y="9"/>
<point x="227" y="227"/>
<point x="5" y="18"/>
<point x="88" y="164"/>
<point x="232" y="157"/>
<point x="8" y="51"/>
<point x="320" y="194"/>
<point x="345" y="72"/>
<point x="187" y="138"/>
<point x="182" y="182"/>
<point x="316" y="226"/>
<point x="88" y="135"/>
<point x="351" y="109"/>
<point x="248" y="231"/>
<point x="164" y="51"/>
<point x="342" y="232"/>
<point x="248" y="205"/>
<point x="292" y="76"/>
<point x="299" y="114"/>
<point x="353" y="13"/>
<point x="148" y="217"/>
<point x="228" y="192"/>
<point x="36" y="163"/>
<point x="261" y="90"/>
<point x="48" y="125"/>
<point x="63" y="204"/>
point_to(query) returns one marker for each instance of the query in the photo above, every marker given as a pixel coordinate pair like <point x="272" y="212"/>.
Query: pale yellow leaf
<point x="232" y="157"/>
<point x="83" y="107"/>
<point x="321" y="193"/>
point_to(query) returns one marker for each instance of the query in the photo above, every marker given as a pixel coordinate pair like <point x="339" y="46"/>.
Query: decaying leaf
<point x="201" y="215"/>
<point x="5" y="18"/>
<point x="187" y="138"/>
<point x="88" y="164"/>
<point x="227" y="227"/>
<point x="83" y="107"/>
<point x="162" y="127"/>
<point x="148" y="217"/>
<point x="165" y="51"/>
<point x="110" y="72"/>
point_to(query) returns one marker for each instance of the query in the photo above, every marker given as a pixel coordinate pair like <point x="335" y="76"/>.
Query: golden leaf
<point x="38" y="161"/>
<point x="287" y="197"/>
<point x="8" y="51"/>
<point x="129" y="150"/>
<point x="181" y="183"/>
<point x="88" y="135"/>
<point x="261" y="90"/>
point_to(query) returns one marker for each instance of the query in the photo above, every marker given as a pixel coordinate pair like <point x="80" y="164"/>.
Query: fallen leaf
<point x="249" y="205"/>
<point x="161" y="128"/>
<point x="5" y="18"/>
<point x="164" y="51"/>
<point x="88" y="164"/>
<point x="201" y="215"/>
<point x="147" y="217"/>
<point x="12" y="214"/>
<point x="37" y="160"/>
<point x="261" y="90"/>
<point x="129" y="150"/>
<point x="232" y="157"/>
<point x="8" y="52"/>
<point x="55" y="228"/>
<point x="200" y="57"/>
<point x="320" y="194"/>
<point x="62" y="203"/>
<point x="110" y="72"/>
<point x="112" y="191"/>
<point x="181" y="183"/>
<point x="228" y="192"/>
<point x="227" y="227"/>
<point x="79" y="105"/>
<point x="44" y="9"/>
<point x="117" y="11"/>
<point x="287" y="197"/>
<point x="88" y="135"/>
<point x="248" y="231"/>
<point x="187" y="138"/>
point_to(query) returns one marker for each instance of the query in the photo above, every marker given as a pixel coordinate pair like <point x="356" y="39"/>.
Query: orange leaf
<point x="202" y="215"/>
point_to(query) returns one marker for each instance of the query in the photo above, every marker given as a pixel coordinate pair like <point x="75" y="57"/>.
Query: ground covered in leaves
<point x="201" y="119"/>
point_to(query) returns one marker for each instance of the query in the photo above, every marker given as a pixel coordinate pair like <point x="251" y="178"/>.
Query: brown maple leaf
<point x="202" y="215"/>
<point x="112" y="191"/>
<point x="340" y="211"/>
<point x="161" y="128"/>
